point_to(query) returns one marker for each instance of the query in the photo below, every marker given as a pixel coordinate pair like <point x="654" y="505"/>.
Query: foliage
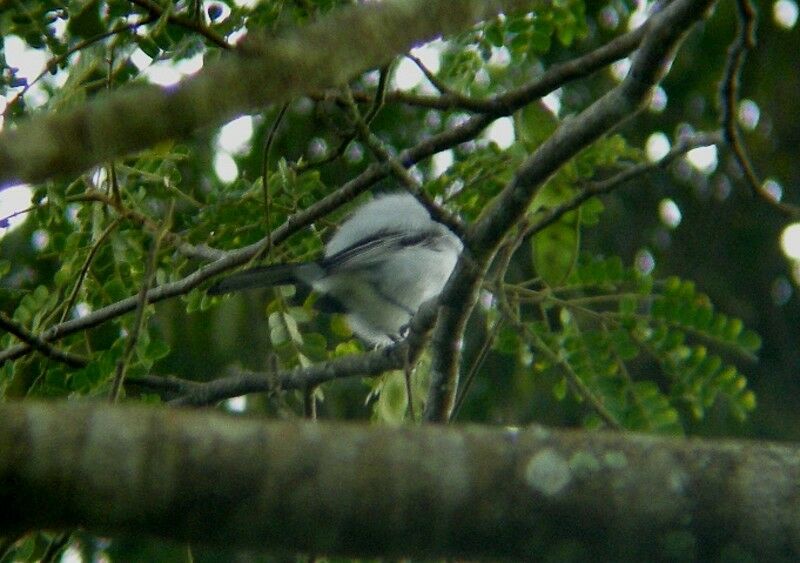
<point x="98" y="241"/>
<point x="608" y="319"/>
<point x="565" y="319"/>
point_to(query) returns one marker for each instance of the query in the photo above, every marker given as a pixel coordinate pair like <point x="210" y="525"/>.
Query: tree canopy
<point x="621" y="175"/>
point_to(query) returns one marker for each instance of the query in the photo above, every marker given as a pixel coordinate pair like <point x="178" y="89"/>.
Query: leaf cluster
<point x="651" y="362"/>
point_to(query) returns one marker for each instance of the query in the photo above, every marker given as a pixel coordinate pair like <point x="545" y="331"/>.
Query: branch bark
<point x="663" y="34"/>
<point x="365" y="490"/>
<point x="263" y="70"/>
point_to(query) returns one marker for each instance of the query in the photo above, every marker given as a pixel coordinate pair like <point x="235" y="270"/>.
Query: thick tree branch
<point x="663" y="33"/>
<point x="263" y="70"/>
<point x="368" y="491"/>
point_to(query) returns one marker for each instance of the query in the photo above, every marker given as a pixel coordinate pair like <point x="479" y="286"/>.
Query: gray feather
<point x="268" y="276"/>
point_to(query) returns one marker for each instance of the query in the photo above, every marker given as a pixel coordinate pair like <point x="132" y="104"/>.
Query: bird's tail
<point x="268" y="276"/>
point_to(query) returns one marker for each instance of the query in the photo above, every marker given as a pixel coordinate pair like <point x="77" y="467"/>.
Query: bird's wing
<point x="371" y="251"/>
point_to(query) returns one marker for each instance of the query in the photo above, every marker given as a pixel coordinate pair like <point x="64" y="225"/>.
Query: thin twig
<point x="202" y="252"/>
<point x="38" y="344"/>
<point x="348" y="137"/>
<point x="310" y="403"/>
<point x="375" y="145"/>
<point x="7" y="544"/>
<point x="265" y="156"/>
<point x="55" y="61"/>
<point x="184" y="22"/>
<point x="380" y="94"/>
<point x="409" y="392"/>
<point x="73" y="296"/>
<point x="192" y="393"/>
<point x="438" y="84"/>
<point x="133" y="337"/>
<point x="112" y="169"/>
<point x="729" y="88"/>
<point x="476" y="365"/>
<point x="745" y="40"/>
<point x="54" y="548"/>
<point x="508" y="102"/>
<point x="579" y="388"/>
<point x="594" y="189"/>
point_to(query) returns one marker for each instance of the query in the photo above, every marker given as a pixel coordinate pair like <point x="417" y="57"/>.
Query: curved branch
<point x="744" y="41"/>
<point x="663" y="33"/>
<point x="553" y="214"/>
<point x="508" y="102"/>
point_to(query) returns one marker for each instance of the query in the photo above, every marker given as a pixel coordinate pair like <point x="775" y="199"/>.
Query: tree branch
<point x="141" y="305"/>
<point x="594" y="189"/>
<point x="663" y="33"/>
<point x="345" y="489"/>
<point x="263" y="70"/>
<point x="192" y="393"/>
<point x="744" y="41"/>
<point x="38" y="344"/>
<point x="224" y="261"/>
<point x="185" y="22"/>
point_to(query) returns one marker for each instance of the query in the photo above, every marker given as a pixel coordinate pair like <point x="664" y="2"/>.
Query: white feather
<point x="386" y="260"/>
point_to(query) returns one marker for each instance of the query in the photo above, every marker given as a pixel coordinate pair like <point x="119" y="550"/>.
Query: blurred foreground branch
<point x="262" y="71"/>
<point x="358" y="490"/>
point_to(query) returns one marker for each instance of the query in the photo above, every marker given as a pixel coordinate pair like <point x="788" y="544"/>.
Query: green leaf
<point x="624" y="344"/>
<point x="539" y="42"/>
<point x="84" y="19"/>
<point x="315" y="346"/>
<point x="115" y="290"/>
<point x="494" y="34"/>
<point x="283" y="328"/>
<point x="149" y="46"/>
<point x="750" y="341"/>
<point x="507" y="341"/>
<point x="555" y="250"/>
<point x="156" y="350"/>
<point x="340" y="328"/>
<point x="392" y="400"/>
<point x="560" y="389"/>
<point x="533" y="124"/>
<point x="628" y="305"/>
<point x="347" y="348"/>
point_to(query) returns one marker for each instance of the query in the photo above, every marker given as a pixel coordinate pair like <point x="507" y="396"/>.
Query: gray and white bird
<point x="387" y="259"/>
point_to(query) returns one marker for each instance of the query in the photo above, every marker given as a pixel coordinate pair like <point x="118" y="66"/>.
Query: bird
<point x="387" y="259"/>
